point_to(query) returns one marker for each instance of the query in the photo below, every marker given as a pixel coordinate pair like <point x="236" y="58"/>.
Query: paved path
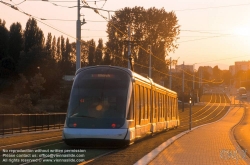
<point x="208" y="145"/>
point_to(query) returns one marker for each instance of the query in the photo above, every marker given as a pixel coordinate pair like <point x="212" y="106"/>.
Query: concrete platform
<point x="205" y="145"/>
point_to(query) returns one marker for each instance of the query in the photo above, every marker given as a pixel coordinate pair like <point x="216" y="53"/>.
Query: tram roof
<point x="131" y="73"/>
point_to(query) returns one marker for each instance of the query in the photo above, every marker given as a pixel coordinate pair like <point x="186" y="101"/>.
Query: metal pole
<point x="170" y="74"/>
<point x="78" y="38"/>
<point x="199" y="82"/>
<point x="150" y="72"/>
<point x="199" y="77"/>
<point x="193" y="86"/>
<point x="183" y="87"/>
<point x="20" y="122"/>
<point x="190" y="115"/>
<point x="129" y="46"/>
<point x="29" y="123"/>
<point x="48" y="122"/>
<point x="12" y="124"/>
<point x="35" y="122"/>
<point x="42" y="116"/>
<point x="3" y="124"/>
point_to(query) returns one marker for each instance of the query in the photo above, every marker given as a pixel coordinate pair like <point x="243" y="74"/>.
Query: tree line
<point x="39" y="63"/>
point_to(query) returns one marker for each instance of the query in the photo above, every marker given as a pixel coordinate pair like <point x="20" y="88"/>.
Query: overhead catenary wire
<point x="213" y="7"/>
<point x="113" y="54"/>
<point x="222" y="35"/>
<point x="146" y="50"/>
<point x="42" y="22"/>
<point x="124" y="34"/>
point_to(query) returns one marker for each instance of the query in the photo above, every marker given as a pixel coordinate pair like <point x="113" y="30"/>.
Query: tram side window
<point x="153" y="102"/>
<point x="142" y="102"/>
<point x="166" y="107"/>
<point x="146" y="102"/>
<point x="175" y="107"/>
<point x="169" y="108"/>
<point x="149" y="102"/>
<point x="137" y="105"/>
<point x="163" y="106"/>
<point x="131" y="107"/>
<point x="159" y="107"/>
<point x="172" y="107"/>
<point x="156" y="103"/>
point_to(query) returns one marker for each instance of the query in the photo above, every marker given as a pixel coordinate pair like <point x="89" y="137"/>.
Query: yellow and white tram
<point x="114" y="106"/>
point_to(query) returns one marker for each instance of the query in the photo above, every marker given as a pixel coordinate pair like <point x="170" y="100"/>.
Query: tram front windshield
<point x="98" y="99"/>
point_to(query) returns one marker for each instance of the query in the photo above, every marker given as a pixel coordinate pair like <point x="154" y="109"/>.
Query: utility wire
<point x="203" y="38"/>
<point x="221" y="35"/>
<point x="51" y="19"/>
<point x="223" y="59"/>
<point x="113" y="54"/>
<point x="146" y="50"/>
<point x="214" y="7"/>
<point x="96" y="11"/>
<point x="45" y="23"/>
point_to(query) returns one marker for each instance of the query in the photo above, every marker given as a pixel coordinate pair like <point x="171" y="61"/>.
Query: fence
<point x="19" y="123"/>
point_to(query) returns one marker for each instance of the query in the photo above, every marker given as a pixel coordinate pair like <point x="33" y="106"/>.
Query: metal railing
<point x="20" y="123"/>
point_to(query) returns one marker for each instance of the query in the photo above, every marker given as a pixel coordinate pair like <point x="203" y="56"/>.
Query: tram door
<point x="137" y="105"/>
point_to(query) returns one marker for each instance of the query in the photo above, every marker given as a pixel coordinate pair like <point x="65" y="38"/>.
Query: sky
<point x="213" y="32"/>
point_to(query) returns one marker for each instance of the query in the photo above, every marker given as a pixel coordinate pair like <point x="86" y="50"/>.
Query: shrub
<point x="23" y="103"/>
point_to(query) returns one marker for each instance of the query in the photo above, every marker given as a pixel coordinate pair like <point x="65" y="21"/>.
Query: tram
<point x="113" y="106"/>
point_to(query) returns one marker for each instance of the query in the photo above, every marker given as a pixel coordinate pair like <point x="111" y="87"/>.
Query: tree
<point x="4" y="39"/>
<point x="37" y="83"/>
<point x="33" y="36"/>
<point x="216" y="73"/>
<point x="58" y="50"/>
<point x="23" y="103"/>
<point x="99" y="52"/>
<point x="7" y="67"/>
<point x="91" y="57"/>
<point x="36" y="87"/>
<point x="68" y="57"/>
<point x="63" y="49"/>
<point x="107" y="58"/>
<point x="154" y="27"/>
<point x="48" y="46"/>
<point x="21" y="85"/>
<point x="31" y="62"/>
<point x="15" y="41"/>
<point x="53" y="48"/>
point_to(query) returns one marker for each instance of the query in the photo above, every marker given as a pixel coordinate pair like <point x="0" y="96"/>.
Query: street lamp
<point x="193" y="84"/>
<point x="190" y="114"/>
<point x="38" y="68"/>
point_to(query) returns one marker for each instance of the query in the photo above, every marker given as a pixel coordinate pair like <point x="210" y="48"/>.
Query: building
<point x="178" y="68"/>
<point x="232" y="69"/>
<point x="242" y="66"/>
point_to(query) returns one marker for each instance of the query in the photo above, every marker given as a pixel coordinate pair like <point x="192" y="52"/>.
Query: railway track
<point x="213" y="110"/>
<point x="131" y="154"/>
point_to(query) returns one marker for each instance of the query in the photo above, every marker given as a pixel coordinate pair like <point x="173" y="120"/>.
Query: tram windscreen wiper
<point x="86" y="116"/>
